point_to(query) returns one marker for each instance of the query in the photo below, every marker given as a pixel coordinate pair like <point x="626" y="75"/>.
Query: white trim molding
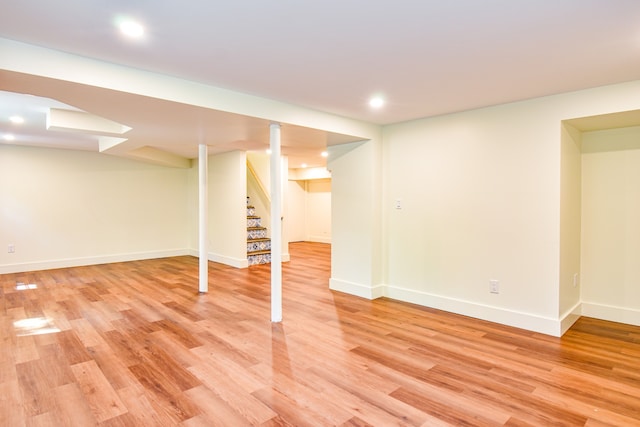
<point x="93" y="260"/>
<point x="570" y="317"/>
<point x="611" y="313"/>
<point x="357" y="289"/>
<point x="518" y="319"/>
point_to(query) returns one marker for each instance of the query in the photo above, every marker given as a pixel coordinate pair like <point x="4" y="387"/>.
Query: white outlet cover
<point x="494" y="286"/>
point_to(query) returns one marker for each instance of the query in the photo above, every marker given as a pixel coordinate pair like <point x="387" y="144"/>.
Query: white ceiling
<point x="425" y="57"/>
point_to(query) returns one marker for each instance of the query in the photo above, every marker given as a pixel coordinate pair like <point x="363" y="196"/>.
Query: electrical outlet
<point x="12" y="248"/>
<point x="494" y="286"/>
<point x="576" y="279"/>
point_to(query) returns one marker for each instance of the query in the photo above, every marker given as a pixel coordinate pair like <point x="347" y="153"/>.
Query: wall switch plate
<point x="494" y="286"/>
<point x="12" y="248"/>
<point x="576" y="279"/>
<point x="398" y="203"/>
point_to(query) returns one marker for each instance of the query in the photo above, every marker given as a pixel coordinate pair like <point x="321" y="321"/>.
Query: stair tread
<point x="258" y="256"/>
<point x="262" y="252"/>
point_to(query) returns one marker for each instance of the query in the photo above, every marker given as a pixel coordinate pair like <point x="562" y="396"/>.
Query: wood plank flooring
<point x="134" y="344"/>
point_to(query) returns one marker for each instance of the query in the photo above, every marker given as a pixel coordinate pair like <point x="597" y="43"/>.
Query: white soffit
<point x="80" y="121"/>
<point x="106" y="143"/>
<point x="617" y="120"/>
<point x="159" y="157"/>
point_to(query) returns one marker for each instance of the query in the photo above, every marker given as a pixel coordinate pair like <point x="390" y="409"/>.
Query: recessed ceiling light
<point x="268" y="151"/>
<point x="376" y="102"/>
<point x="131" y="28"/>
<point x="304" y="165"/>
<point x="324" y="154"/>
<point x="9" y="137"/>
<point x="16" y="120"/>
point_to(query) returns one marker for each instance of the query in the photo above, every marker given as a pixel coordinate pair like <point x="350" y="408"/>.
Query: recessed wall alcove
<point x="600" y="227"/>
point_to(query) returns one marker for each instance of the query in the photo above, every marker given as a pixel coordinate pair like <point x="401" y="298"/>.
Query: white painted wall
<point x="611" y="226"/>
<point x="260" y="197"/>
<point x="356" y="226"/>
<point x="570" y="220"/>
<point x="65" y="208"/>
<point x="309" y="210"/>
<point x="228" y="208"/>
<point x="479" y="196"/>
<point x="296" y="214"/>
<point x="481" y="199"/>
<point x="318" y="209"/>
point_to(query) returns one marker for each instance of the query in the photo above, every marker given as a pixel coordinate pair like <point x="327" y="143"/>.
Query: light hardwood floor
<point x="138" y="346"/>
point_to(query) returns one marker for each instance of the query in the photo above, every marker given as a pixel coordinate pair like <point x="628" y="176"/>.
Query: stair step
<point x="265" y="252"/>
<point x="258" y="245"/>
<point x="256" y="233"/>
<point x="259" y="258"/>
<point x="254" y="221"/>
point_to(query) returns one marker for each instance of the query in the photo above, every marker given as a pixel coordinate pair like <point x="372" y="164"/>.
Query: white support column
<point x="276" y="224"/>
<point x="203" y="217"/>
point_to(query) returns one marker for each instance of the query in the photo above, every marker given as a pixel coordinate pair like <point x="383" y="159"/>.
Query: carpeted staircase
<point x="258" y="244"/>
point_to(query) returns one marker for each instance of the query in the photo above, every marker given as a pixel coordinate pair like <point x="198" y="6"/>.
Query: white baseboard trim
<point x="518" y="319"/>
<point x="570" y="317"/>
<point x="226" y="260"/>
<point x="94" y="260"/>
<point x="108" y="259"/>
<point x="528" y="321"/>
<point x="611" y="313"/>
<point x="233" y="262"/>
<point x="357" y="289"/>
<point x="503" y="316"/>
